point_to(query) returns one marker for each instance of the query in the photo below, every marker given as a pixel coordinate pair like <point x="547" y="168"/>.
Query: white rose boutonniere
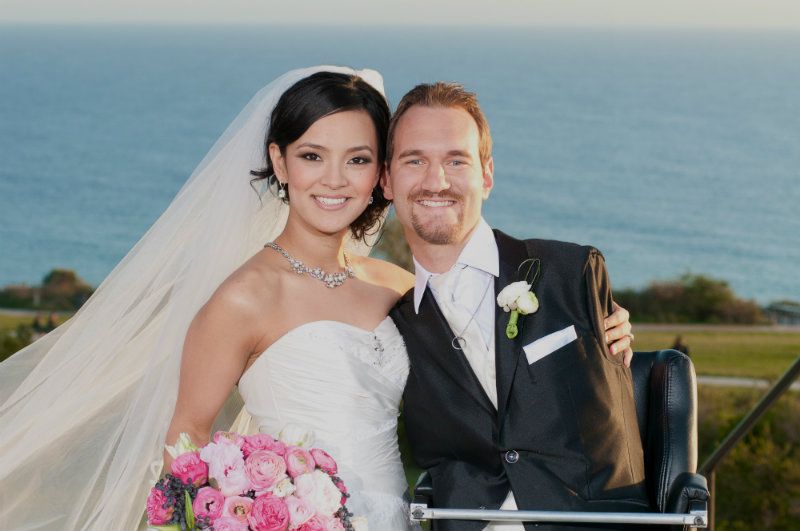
<point x="518" y="299"/>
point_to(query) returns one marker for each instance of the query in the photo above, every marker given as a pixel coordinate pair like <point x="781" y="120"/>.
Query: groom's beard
<point x="437" y="232"/>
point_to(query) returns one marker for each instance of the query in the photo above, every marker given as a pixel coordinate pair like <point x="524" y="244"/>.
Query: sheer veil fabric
<point x="84" y="410"/>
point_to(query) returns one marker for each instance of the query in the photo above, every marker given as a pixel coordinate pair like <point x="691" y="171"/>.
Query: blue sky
<point x="777" y="14"/>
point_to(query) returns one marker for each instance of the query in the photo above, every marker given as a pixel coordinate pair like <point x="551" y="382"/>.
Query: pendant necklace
<point x="458" y="342"/>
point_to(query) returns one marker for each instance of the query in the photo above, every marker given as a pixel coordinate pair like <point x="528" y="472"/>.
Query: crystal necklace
<point x="331" y="280"/>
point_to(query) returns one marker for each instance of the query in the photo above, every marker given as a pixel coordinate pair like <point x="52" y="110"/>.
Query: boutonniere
<point x="518" y="297"/>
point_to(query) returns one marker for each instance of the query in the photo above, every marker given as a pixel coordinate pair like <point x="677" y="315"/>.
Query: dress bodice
<point x="344" y="383"/>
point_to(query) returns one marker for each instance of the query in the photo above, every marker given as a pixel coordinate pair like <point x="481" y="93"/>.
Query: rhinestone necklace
<point x="331" y="280"/>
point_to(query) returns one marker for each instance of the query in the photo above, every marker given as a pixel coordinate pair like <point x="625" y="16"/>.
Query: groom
<point x="543" y="421"/>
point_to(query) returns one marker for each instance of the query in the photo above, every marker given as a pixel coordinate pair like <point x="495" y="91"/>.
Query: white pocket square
<point x="549" y="343"/>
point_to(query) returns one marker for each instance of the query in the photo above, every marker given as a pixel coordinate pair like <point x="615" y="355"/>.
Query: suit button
<point x="512" y="456"/>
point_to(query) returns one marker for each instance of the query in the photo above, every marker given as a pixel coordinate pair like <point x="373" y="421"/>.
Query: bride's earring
<point x="370" y="200"/>
<point x="282" y="190"/>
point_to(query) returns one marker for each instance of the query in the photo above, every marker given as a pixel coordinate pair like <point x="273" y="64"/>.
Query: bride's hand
<point x="618" y="333"/>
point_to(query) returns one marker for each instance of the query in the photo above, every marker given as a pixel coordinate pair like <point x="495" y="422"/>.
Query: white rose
<point x="318" y="490"/>
<point x="359" y="523"/>
<point x="507" y="298"/>
<point x="284" y="488"/>
<point x="527" y="303"/>
<point x="295" y="435"/>
<point x="183" y="445"/>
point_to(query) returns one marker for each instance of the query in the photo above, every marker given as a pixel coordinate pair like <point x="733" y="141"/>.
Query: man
<point x="544" y="420"/>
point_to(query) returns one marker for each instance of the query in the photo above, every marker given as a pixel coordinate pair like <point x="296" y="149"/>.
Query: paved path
<point x="675" y="328"/>
<point x="732" y="381"/>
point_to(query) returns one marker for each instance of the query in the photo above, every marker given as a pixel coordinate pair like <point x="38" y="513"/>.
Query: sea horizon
<point x="671" y="150"/>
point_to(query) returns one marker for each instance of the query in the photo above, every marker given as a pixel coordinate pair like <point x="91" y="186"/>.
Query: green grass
<point x="729" y="352"/>
<point x="10" y="322"/>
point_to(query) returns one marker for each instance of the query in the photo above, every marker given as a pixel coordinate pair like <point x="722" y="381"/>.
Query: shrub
<point x="689" y="299"/>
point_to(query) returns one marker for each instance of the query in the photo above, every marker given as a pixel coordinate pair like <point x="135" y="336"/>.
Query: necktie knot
<point x="444" y="284"/>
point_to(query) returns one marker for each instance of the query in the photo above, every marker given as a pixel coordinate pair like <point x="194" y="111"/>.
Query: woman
<point x="86" y="410"/>
<point x="308" y="352"/>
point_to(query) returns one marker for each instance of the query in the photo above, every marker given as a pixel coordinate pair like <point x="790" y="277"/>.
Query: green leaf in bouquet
<point x="189" y="511"/>
<point x="171" y="527"/>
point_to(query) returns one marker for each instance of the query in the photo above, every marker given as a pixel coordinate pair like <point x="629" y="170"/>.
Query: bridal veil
<point x="84" y="410"/>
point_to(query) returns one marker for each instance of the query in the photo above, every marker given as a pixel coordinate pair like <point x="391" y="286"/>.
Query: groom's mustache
<point x="440" y="196"/>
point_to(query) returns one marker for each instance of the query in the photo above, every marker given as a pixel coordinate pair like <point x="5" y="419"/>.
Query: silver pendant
<point x="458" y="343"/>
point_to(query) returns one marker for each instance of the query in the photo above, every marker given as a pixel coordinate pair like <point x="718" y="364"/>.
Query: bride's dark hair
<point x="315" y="97"/>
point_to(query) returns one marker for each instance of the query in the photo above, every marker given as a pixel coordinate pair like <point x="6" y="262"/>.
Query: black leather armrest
<point x="423" y="490"/>
<point x="685" y="490"/>
<point x="666" y="402"/>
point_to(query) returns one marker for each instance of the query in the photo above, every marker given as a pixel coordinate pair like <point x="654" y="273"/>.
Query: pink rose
<point x="269" y="513"/>
<point x="208" y="503"/>
<point x="264" y="469"/>
<point x="228" y="436"/>
<point x="261" y="441"/>
<point x="298" y="461"/>
<point x="159" y="512"/>
<point x="237" y="507"/>
<point x="324" y="461"/>
<point x="299" y="510"/>
<point x="189" y="468"/>
<point x="315" y="523"/>
<point x="226" y="468"/>
<point x="226" y="523"/>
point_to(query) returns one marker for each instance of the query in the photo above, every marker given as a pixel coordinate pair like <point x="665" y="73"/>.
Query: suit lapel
<point x="434" y="326"/>
<point x="512" y="253"/>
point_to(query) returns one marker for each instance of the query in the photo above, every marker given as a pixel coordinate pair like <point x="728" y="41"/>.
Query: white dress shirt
<point x="469" y="292"/>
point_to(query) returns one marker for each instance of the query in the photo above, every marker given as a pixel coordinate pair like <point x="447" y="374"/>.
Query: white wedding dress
<point x="344" y="383"/>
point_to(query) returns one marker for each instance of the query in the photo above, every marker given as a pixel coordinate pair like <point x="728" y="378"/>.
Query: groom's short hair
<point x="449" y="95"/>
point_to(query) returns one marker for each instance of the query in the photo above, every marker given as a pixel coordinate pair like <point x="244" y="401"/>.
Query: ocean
<point x="671" y="151"/>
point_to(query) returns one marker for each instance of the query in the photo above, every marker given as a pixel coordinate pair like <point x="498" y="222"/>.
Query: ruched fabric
<point x="344" y="383"/>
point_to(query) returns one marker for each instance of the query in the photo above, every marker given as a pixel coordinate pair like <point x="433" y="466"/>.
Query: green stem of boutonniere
<point x="511" y="328"/>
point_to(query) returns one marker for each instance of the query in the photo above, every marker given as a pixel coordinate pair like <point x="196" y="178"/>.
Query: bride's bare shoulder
<point x="386" y="274"/>
<point x="243" y="293"/>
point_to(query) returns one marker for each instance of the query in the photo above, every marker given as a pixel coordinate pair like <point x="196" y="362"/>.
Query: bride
<point x="200" y="306"/>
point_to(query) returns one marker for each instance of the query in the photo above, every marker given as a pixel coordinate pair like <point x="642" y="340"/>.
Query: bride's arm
<point x="218" y="344"/>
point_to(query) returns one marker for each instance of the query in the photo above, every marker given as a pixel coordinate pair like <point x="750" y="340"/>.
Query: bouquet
<point x="250" y="483"/>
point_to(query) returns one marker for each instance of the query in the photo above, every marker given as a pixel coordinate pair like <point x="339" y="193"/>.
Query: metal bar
<point x="421" y="512"/>
<point x="747" y="423"/>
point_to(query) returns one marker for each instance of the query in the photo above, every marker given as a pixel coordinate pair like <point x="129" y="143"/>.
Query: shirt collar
<point x="480" y="252"/>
